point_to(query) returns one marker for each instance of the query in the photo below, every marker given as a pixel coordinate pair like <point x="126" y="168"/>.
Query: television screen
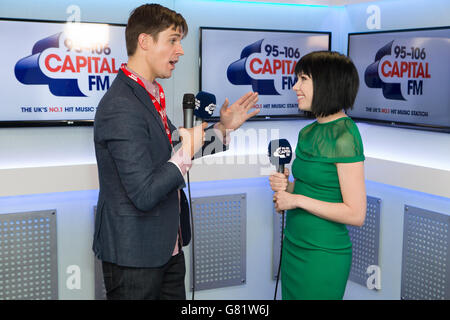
<point x="236" y="61"/>
<point x="55" y="73"/>
<point x="404" y="77"/>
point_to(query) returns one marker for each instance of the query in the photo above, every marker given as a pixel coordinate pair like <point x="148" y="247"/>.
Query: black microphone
<point x="205" y="104"/>
<point x="188" y="109"/>
<point x="280" y="153"/>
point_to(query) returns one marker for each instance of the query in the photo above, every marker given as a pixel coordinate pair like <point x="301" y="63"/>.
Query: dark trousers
<point x="163" y="283"/>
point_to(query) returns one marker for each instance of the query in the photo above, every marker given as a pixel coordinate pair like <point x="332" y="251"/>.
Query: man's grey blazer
<point x="138" y="208"/>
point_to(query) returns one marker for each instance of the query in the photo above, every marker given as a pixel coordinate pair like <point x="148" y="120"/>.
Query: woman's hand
<point x="284" y="201"/>
<point x="279" y="181"/>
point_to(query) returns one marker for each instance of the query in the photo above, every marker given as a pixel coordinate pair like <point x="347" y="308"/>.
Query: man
<point x="141" y="166"/>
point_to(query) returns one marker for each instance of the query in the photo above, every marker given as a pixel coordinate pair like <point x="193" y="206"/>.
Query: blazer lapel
<point x="144" y="97"/>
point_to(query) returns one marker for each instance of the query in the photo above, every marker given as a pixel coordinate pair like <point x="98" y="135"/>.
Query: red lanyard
<point x="161" y="108"/>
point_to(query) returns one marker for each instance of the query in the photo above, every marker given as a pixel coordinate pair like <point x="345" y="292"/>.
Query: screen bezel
<point x="399" y="124"/>
<point x="307" y="115"/>
<point x="51" y="123"/>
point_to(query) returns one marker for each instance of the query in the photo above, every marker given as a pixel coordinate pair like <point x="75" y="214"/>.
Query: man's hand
<point x="232" y="117"/>
<point x="192" y="139"/>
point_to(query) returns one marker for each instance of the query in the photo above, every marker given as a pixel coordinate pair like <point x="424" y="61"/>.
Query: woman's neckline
<point x="344" y="116"/>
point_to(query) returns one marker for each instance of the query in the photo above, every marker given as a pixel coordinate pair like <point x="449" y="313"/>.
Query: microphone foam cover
<point x="280" y="152"/>
<point x="205" y="105"/>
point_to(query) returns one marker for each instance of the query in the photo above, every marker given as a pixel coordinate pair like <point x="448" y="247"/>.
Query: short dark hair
<point x="335" y="81"/>
<point x="151" y="19"/>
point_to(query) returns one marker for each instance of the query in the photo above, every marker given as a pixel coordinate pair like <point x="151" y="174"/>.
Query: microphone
<point x="201" y="107"/>
<point x="188" y="110"/>
<point x="188" y="114"/>
<point x="280" y="153"/>
<point x="205" y="104"/>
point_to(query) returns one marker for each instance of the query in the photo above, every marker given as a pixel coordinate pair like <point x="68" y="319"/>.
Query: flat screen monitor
<point x="55" y="73"/>
<point x="236" y="61"/>
<point x="404" y="77"/>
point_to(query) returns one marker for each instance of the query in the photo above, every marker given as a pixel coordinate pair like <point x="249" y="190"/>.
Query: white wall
<point x="74" y="145"/>
<point x="50" y="147"/>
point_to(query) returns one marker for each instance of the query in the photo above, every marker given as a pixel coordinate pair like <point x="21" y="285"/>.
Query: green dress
<point x="317" y="253"/>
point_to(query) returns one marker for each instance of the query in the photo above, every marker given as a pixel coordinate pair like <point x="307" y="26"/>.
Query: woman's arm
<point x="351" y="211"/>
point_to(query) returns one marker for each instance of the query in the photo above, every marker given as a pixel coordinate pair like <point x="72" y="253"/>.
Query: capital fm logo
<point x="399" y="70"/>
<point x="282" y="152"/>
<point x="67" y="66"/>
<point x="267" y="65"/>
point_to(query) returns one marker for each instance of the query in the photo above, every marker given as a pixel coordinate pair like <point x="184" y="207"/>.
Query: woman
<point x="328" y="191"/>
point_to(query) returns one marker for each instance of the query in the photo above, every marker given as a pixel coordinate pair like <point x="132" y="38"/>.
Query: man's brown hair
<point x="151" y="19"/>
